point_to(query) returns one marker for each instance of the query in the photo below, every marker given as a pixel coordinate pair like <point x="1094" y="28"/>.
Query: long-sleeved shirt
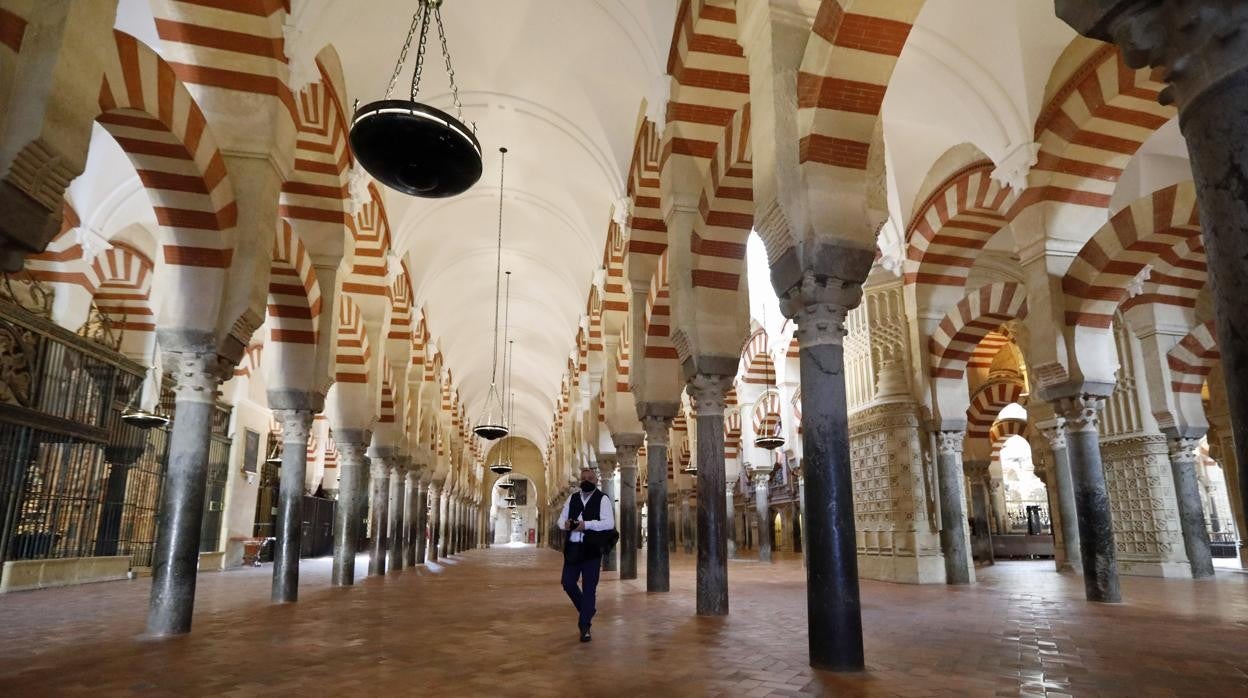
<point x="605" y="521"/>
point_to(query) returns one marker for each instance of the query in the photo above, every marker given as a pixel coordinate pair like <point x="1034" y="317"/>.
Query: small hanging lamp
<point x="275" y="454"/>
<point x="136" y="416"/>
<point x="493" y="425"/>
<point x="772" y="438"/>
<point x="412" y="147"/>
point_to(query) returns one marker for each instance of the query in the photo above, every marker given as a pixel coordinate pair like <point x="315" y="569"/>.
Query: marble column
<point x="657" y="425"/>
<point x="1201" y="47"/>
<point x="980" y="510"/>
<point x="801" y="500"/>
<point x="423" y="497"/>
<point x="1187" y="491"/>
<point x="959" y="568"/>
<point x="819" y="304"/>
<point x="444" y="506"/>
<point x="762" y="506"/>
<point x="730" y="515"/>
<point x="379" y="510"/>
<point x="626" y="446"/>
<point x="196" y="375"/>
<point x="411" y="495"/>
<point x="708" y="392"/>
<point x="606" y="482"/>
<point x="296" y="425"/>
<point x="398" y="510"/>
<point x="1092" y="510"/>
<point x="1055" y="431"/>
<point x="352" y="463"/>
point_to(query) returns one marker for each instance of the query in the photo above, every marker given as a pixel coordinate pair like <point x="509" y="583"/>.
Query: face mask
<point x="587" y="486"/>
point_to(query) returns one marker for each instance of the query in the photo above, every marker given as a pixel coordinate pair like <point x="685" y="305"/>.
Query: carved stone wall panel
<point x="1142" y="499"/>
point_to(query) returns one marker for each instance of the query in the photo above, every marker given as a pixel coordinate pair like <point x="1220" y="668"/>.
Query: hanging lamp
<point x="492" y="425"/>
<point x="411" y="147"/>
<point x="275" y="454"/>
<point x="770" y="440"/>
<point x="135" y="415"/>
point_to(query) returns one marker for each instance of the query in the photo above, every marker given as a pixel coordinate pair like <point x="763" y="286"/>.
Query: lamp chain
<point x="417" y="20"/>
<point x="426" y="10"/>
<point x="498" y="269"/>
<point x="450" y="72"/>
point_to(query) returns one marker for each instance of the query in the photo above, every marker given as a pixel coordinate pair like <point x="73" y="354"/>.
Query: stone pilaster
<point x="626" y="446"/>
<point x="1082" y="413"/>
<point x="196" y="375"/>
<point x="657" y="422"/>
<point x="1191" y="512"/>
<point x="708" y="393"/>
<point x="1202" y="48"/>
<point x="296" y="426"/>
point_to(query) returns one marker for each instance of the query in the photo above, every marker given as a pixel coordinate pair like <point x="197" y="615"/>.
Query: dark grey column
<point x="657" y="424"/>
<point x="953" y="540"/>
<point x="626" y="446"/>
<point x="1055" y="432"/>
<point x="834" y="615"/>
<point x="1191" y="509"/>
<point x="1096" y="528"/>
<point x="436" y="506"/>
<point x="397" y="511"/>
<point x="295" y="427"/>
<point x="352" y="465"/>
<point x="379" y="511"/>
<point x="176" y="557"/>
<point x="411" y="493"/>
<point x="1202" y="48"/>
<point x="707" y="392"/>
<point x="761" y="476"/>
<point x="606" y="480"/>
<point x="422" y="520"/>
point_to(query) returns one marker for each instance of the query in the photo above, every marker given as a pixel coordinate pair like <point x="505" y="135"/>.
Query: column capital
<point x="1198" y="43"/>
<point x="607" y="464"/>
<point x="658" y="428"/>
<point x="949" y="443"/>
<point x="296" y="425"/>
<point x="1183" y="450"/>
<point x="379" y="468"/>
<point x="1055" y="431"/>
<point x="708" y="392"/>
<point x="197" y="375"/>
<point x="1082" y="412"/>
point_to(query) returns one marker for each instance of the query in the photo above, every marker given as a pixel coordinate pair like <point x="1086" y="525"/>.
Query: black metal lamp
<point x="412" y="147"/>
<point x="772" y="438"/>
<point x="493" y="423"/>
<point x="136" y="416"/>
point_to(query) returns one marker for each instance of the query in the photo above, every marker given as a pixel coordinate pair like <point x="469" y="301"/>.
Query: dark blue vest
<point x="589" y="511"/>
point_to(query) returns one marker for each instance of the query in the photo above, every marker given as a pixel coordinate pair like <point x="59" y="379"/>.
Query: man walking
<point x="587" y="510"/>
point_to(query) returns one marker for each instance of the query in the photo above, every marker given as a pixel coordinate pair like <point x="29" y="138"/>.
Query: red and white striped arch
<point x="659" y="315"/>
<point x="757" y="367"/>
<point x="386" y="415"/>
<point x="118" y="279"/>
<point x="732" y="434"/>
<point x="766" y="415"/>
<point x="986" y="351"/>
<point x="614" y="296"/>
<point x="647" y="230"/>
<point x="372" y="240"/>
<point x="849" y="60"/>
<point x="353" y="357"/>
<point x="250" y="364"/>
<point x="623" y="363"/>
<point x="1192" y="359"/>
<point x="982" y="311"/>
<point x="1096" y="284"/>
<point x="1090" y="129"/>
<point x="953" y="225"/>
<point x="726" y="210"/>
<point x="154" y="119"/>
<point x="316" y="195"/>
<point x="1002" y="431"/>
<point x="987" y="403"/>
<point x="294" y="304"/>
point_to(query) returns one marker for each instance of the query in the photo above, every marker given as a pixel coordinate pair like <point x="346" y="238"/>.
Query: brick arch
<point x="1090" y="129"/>
<point x="837" y="116"/>
<point x="967" y="323"/>
<point x="987" y="403"/>
<point x="1003" y="430"/>
<point x="953" y="225"/>
<point x="352" y="354"/>
<point x="766" y="415"/>
<point x="387" y="414"/>
<point x="1192" y="359"/>
<point x="120" y="282"/>
<point x="317" y="195"/>
<point x="757" y="366"/>
<point x="659" y="315"/>
<point x="726" y="210"/>
<point x="157" y="123"/>
<point x="1167" y="220"/>
<point x="732" y="434"/>
<point x="294" y="303"/>
<point x="372" y="241"/>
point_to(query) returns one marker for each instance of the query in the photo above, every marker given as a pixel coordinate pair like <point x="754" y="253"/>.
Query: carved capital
<point x="606" y="466"/>
<point x="196" y="375"/>
<point x="296" y="425"/>
<point x="760" y="477"/>
<point x="949" y="443"/>
<point x="708" y="392"/>
<point x="657" y="430"/>
<point x="1082" y="412"/>
<point x="1183" y="450"/>
<point x="1055" y="431"/>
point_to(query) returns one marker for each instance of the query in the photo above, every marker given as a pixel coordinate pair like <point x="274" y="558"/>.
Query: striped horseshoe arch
<point x="1192" y="359"/>
<point x="953" y="225"/>
<point x="982" y="311"/>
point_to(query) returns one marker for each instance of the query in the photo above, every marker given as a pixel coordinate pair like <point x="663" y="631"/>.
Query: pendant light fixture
<point x="136" y="416"/>
<point x="412" y="147"/>
<point x="769" y="440"/>
<point x="492" y="425"/>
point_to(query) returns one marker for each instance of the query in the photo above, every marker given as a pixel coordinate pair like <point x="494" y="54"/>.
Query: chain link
<point x="426" y="10"/>
<point x="450" y="72"/>
<point x="398" y="67"/>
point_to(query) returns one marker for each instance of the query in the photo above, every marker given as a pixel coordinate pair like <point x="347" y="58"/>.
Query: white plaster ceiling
<point x="560" y="83"/>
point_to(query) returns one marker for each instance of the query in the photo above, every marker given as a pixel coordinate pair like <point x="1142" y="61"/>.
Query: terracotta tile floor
<point x="495" y="622"/>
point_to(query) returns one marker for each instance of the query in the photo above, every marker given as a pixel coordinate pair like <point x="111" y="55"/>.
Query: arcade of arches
<point x="921" y="312"/>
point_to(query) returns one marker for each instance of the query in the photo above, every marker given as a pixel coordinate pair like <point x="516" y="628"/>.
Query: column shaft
<point x="1191" y="510"/>
<point x="762" y="505"/>
<point x="628" y="516"/>
<point x="730" y="515"/>
<point x="657" y="539"/>
<point x="411" y="493"/>
<point x="289" y="543"/>
<point x="347" y="515"/>
<point x="959" y="569"/>
<point x="394" y="527"/>
<point x="1096" y="529"/>
<point x="1064" y="480"/>
<point x="379" y="513"/>
<point x="422" y="522"/>
<point x="708" y="392"/>
<point x="611" y="560"/>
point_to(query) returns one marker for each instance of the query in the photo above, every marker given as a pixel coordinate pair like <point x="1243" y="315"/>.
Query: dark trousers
<point x="586" y="569"/>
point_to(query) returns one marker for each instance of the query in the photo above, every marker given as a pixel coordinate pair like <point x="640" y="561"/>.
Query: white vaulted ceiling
<point x="558" y="82"/>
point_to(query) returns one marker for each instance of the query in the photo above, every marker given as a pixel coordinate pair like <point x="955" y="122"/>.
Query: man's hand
<point x="580" y="526"/>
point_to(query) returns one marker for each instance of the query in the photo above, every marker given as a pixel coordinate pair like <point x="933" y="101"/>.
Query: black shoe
<point x="585" y="633"/>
